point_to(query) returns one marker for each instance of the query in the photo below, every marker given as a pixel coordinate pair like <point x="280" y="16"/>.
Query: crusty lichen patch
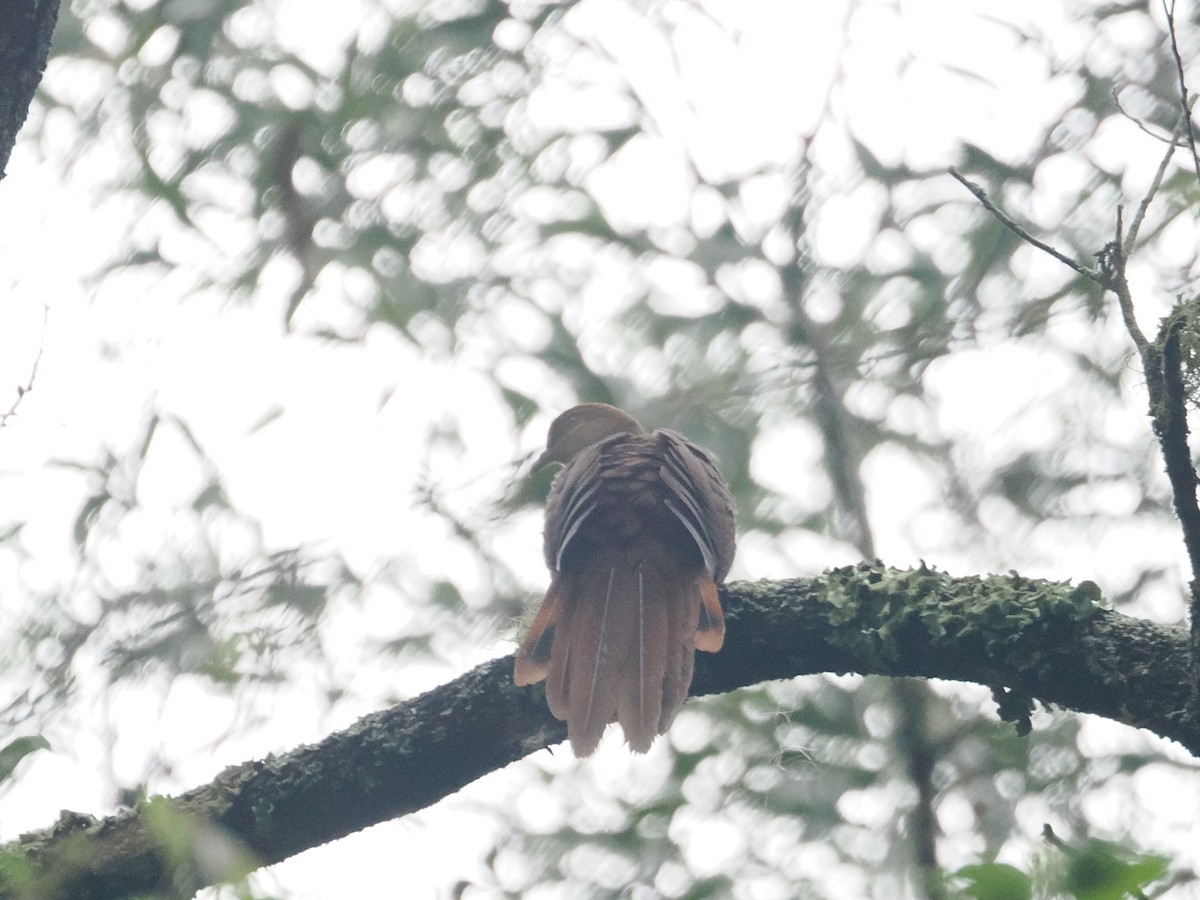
<point x="1005" y="622"/>
<point x="990" y="614"/>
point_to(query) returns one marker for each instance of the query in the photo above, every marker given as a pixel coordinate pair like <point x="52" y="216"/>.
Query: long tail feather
<point x="639" y="704"/>
<point x="623" y="640"/>
<point x="599" y="607"/>
<point x="679" y="648"/>
<point x="593" y="699"/>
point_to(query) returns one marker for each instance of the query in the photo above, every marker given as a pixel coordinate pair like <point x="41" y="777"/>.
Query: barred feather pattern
<point x="639" y="534"/>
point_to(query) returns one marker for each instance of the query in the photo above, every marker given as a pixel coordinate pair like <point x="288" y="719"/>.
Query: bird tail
<point x="616" y="641"/>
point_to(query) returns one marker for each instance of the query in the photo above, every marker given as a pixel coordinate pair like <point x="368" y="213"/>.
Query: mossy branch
<point x="1162" y="361"/>
<point x="1024" y="638"/>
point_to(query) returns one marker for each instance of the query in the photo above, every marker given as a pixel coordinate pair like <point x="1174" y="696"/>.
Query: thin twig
<point x="1184" y="105"/>
<point x="23" y="389"/>
<point x="1173" y="139"/>
<point x="982" y="197"/>
<point x="1140" y="215"/>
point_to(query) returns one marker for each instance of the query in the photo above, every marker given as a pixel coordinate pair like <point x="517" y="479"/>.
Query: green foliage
<point x="1093" y="870"/>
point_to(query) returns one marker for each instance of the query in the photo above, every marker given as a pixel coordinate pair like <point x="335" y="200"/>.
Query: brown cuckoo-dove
<point x="639" y="533"/>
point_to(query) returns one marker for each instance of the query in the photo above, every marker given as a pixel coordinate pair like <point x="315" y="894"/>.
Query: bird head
<point x="581" y="426"/>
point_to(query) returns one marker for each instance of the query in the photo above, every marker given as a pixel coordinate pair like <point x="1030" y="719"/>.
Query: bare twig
<point x="23" y="389"/>
<point x="982" y="197"/>
<point x="1173" y="139"/>
<point x="1184" y="105"/>
<point x="1140" y="215"/>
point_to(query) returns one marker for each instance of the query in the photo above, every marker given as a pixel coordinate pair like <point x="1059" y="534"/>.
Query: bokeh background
<point x="298" y="287"/>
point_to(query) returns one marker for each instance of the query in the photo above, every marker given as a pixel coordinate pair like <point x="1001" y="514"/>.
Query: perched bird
<point x="639" y="533"/>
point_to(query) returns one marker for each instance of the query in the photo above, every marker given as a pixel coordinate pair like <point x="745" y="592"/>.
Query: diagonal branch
<point x="1033" y="638"/>
<point x="1130" y="239"/>
<point x="1011" y="225"/>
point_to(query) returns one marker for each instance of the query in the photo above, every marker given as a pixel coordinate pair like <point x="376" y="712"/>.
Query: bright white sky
<point x="741" y="99"/>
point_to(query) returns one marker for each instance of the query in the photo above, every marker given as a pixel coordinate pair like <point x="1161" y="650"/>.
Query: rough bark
<point x="25" y="29"/>
<point x="1024" y="638"/>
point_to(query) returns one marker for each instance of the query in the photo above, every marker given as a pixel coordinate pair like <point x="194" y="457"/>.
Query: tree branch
<point x="1169" y="412"/>
<point x="1042" y="639"/>
<point x="1162" y="362"/>
<point x="1130" y="239"/>
<point x="1011" y="225"/>
<point x="1162" y="365"/>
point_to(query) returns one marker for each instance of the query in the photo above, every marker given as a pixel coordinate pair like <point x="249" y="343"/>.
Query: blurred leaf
<point x="16" y="750"/>
<point x="309" y="599"/>
<point x="88" y="515"/>
<point x="222" y="663"/>
<point x="995" y="881"/>
<point x="213" y="494"/>
<point x="1095" y="872"/>
<point x="522" y="406"/>
<point x="446" y="596"/>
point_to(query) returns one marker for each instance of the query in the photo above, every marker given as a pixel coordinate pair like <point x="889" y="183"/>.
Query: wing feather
<point x="699" y="499"/>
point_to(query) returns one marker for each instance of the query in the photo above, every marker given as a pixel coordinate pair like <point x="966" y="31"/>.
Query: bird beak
<point x="541" y="462"/>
